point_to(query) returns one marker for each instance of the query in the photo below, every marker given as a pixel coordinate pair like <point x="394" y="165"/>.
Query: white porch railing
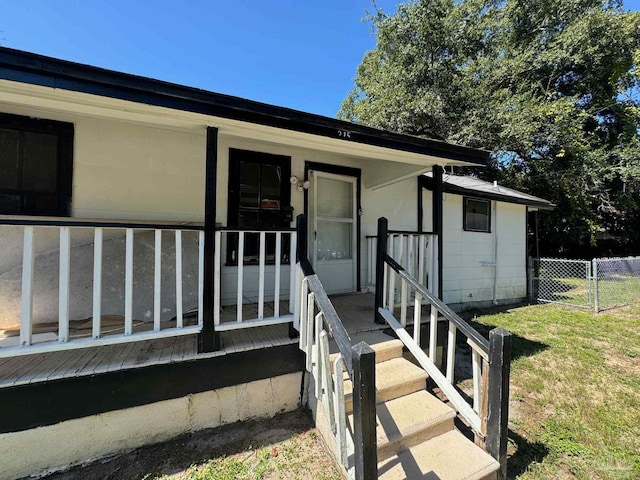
<point x="44" y="230"/>
<point x="416" y="252"/>
<point x="253" y="267"/>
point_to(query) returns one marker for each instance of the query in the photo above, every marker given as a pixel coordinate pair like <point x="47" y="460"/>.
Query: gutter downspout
<point x="495" y="251"/>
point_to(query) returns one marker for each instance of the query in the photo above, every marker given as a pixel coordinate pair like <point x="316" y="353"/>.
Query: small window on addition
<point x="477" y="215"/>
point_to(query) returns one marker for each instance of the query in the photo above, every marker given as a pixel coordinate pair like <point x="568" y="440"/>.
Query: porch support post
<point x="420" y="204"/>
<point x="208" y="339"/>
<point x="437" y="219"/>
<point x="381" y="251"/>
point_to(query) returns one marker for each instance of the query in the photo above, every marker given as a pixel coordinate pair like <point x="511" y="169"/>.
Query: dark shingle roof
<point x="475" y="187"/>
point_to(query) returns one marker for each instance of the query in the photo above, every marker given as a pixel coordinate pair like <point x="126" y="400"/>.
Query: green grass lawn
<point x="575" y="391"/>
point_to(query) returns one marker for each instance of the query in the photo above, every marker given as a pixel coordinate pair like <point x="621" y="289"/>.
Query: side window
<point x="477" y="215"/>
<point x="259" y="194"/>
<point x="36" y="166"/>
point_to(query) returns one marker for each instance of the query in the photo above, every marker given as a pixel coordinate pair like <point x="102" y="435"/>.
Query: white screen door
<point x="333" y="230"/>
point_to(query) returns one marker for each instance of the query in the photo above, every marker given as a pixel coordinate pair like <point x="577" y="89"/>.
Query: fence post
<point x="381" y="251"/>
<point x="500" y="341"/>
<point x="594" y="272"/>
<point x="364" y="411"/>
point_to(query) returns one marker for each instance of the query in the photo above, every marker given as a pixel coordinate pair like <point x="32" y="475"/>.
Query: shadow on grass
<point x="522" y="347"/>
<point x="526" y="453"/>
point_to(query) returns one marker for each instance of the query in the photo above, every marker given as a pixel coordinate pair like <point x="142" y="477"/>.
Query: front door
<point x="333" y="224"/>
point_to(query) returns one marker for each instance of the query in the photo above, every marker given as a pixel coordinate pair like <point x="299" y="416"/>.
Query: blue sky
<point x="293" y="53"/>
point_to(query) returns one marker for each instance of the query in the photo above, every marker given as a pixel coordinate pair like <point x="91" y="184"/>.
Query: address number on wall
<point x="344" y="134"/>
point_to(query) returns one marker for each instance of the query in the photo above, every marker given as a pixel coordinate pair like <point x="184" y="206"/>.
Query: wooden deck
<point x="356" y="312"/>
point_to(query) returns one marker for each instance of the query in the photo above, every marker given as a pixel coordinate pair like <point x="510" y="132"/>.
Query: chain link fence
<point x="601" y="284"/>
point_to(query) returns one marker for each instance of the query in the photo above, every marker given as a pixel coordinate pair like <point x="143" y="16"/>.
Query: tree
<point x="552" y="87"/>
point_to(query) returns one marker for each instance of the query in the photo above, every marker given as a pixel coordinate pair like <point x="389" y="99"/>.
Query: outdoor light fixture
<point x="299" y="184"/>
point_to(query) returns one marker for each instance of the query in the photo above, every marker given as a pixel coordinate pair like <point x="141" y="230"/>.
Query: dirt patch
<point x="285" y="446"/>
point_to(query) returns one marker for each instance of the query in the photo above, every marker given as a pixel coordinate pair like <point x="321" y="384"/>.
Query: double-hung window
<point x="259" y="198"/>
<point x="36" y="166"/>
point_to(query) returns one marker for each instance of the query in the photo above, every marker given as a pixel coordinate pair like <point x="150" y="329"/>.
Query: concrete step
<point x="408" y="421"/>
<point x="384" y="351"/>
<point x="450" y="456"/>
<point x="395" y="378"/>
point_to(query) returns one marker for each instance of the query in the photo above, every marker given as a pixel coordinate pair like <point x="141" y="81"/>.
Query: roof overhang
<point x="235" y="116"/>
<point x="533" y="202"/>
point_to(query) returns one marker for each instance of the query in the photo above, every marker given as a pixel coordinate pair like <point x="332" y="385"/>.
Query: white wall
<point x="470" y="257"/>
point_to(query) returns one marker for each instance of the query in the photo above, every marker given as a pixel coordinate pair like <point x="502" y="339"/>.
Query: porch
<point x="356" y="312"/>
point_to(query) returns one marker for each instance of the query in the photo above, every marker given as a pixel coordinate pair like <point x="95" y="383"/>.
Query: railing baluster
<point x="216" y="286"/>
<point x="410" y="257"/>
<point x="476" y="368"/>
<point x="128" y="282"/>
<point x="316" y="351"/>
<point x="384" y="287"/>
<point x="26" y="315"/>
<point x="262" y="255"/>
<point x="157" y="281"/>
<point x="431" y="267"/>
<point x="179" y="315"/>
<point x="97" y="282"/>
<point x="292" y="270"/>
<point x="451" y="352"/>
<point x="304" y="291"/>
<point x="417" y="317"/>
<point x="392" y="290"/>
<point x="240" y="261"/>
<point x="421" y="254"/>
<point x="436" y="278"/>
<point x="433" y="333"/>
<point x="201" y="278"/>
<point x="276" y="280"/>
<point x="403" y="302"/>
<point x="310" y="328"/>
<point x="327" y="384"/>
<point x="63" y="284"/>
<point x="341" y="421"/>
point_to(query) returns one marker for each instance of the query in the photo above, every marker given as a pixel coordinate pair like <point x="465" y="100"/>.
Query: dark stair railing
<point x="358" y="359"/>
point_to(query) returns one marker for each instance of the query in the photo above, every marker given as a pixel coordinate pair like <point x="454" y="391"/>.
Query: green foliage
<point x="551" y="86"/>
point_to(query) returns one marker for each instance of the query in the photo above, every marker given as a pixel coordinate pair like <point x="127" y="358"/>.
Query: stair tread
<point x="391" y="373"/>
<point x="450" y="456"/>
<point x="384" y="351"/>
<point x="410" y="414"/>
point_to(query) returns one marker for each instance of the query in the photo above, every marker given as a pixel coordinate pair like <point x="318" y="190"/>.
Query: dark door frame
<point x="347" y="172"/>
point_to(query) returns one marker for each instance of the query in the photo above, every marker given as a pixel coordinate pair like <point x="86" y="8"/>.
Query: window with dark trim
<point x="36" y="166"/>
<point x="259" y="198"/>
<point x="477" y="215"/>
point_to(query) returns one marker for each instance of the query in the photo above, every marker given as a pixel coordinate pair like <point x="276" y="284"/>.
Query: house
<point x="153" y="279"/>
<point x="485" y="240"/>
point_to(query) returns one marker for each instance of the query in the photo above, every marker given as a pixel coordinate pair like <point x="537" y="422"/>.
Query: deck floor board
<point x="356" y="312"/>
